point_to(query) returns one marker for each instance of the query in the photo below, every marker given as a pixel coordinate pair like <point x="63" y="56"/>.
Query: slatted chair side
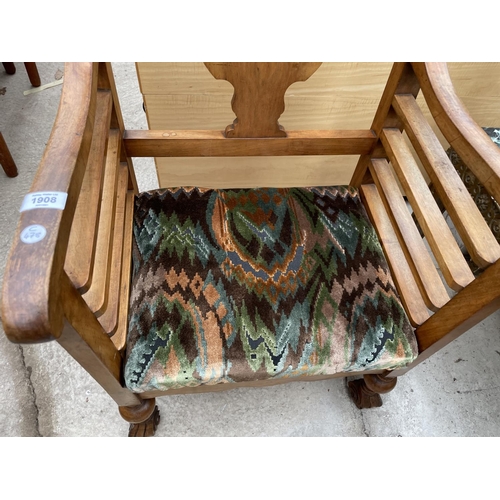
<point x="94" y="332"/>
<point x="481" y="297"/>
<point x="40" y="301"/>
<point x="98" y="243"/>
<point x="466" y="217"/>
<point x="412" y="281"/>
<point x="31" y="299"/>
<point x="413" y="272"/>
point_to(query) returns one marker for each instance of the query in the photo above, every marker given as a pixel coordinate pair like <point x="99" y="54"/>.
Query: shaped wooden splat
<point x="259" y="94"/>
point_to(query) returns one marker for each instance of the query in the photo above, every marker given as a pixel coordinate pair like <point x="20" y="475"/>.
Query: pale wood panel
<point x="477" y="84"/>
<point x="252" y="171"/>
<point x="337" y="96"/>
<point x="179" y="78"/>
<point x="194" y="78"/>
<point x="188" y="111"/>
<point x="213" y="112"/>
<point x="476" y="78"/>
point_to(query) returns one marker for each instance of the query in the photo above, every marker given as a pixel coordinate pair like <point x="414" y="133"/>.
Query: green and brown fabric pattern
<point x="250" y="284"/>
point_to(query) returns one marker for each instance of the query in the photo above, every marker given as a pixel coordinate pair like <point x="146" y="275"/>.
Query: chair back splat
<point x="269" y="279"/>
<point x="259" y="94"/>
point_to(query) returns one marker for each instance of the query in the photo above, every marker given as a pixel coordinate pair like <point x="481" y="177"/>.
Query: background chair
<point x="6" y="159"/>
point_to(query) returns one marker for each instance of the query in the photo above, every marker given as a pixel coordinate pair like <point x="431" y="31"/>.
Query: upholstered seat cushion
<point x="250" y="284"/>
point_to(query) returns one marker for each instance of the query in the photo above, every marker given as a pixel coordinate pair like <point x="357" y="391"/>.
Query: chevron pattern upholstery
<point x="249" y="284"/>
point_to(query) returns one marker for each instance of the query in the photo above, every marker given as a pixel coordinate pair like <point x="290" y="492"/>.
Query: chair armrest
<point x="30" y="306"/>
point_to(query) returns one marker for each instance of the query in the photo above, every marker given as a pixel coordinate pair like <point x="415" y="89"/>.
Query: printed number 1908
<point x="46" y="199"/>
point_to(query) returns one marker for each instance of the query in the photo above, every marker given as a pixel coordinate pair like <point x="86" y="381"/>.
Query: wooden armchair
<point x="193" y="289"/>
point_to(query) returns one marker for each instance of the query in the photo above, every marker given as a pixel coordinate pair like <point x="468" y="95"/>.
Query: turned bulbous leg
<point x="366" y="392"/>
<point x="143" y="418"/>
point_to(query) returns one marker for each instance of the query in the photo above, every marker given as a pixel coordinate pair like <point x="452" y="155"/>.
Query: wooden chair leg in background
<point x="6" y="159"/>
<point x="31" y="69"/>
<point x="143" y="419"/>
<point x="10" y="68"/>
<point x="33" y="75"/>
<point x="366" y="391"/>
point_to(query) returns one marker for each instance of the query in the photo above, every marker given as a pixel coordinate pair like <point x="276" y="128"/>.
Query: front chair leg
<point x="366" y="392"/>
<point x="143" y="418"/>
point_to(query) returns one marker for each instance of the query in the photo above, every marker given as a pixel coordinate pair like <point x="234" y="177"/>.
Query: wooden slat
<point x="403" y="277"/>
<point x="466" y="217"/>
<point x="109" y="319"/>
<point x="120" y="336"/>
<point x="81" y="247"/>
<point x="96" y="296"/>
<point x="426" y="275"/>
<point x="160" y="143"/>
<point x="444" y="246"/>
<point x="107" y="80"/>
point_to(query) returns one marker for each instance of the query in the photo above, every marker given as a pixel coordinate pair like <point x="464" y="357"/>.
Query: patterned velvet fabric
<point x="251" y="284"/>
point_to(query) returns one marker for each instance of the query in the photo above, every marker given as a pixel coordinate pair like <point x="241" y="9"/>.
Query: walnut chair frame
<point x="73" y="286"/>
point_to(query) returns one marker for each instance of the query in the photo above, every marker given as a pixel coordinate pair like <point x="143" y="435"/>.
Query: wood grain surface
<point x="337" y="96"/>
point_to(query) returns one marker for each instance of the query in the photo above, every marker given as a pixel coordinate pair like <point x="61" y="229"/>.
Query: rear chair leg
<point x="143" y="418"/>
<point x="6" y="159"/>
<point x="366" y="391"/>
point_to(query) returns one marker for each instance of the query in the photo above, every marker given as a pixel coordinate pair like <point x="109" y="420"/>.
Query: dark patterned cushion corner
<point x="250" y="284"/>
